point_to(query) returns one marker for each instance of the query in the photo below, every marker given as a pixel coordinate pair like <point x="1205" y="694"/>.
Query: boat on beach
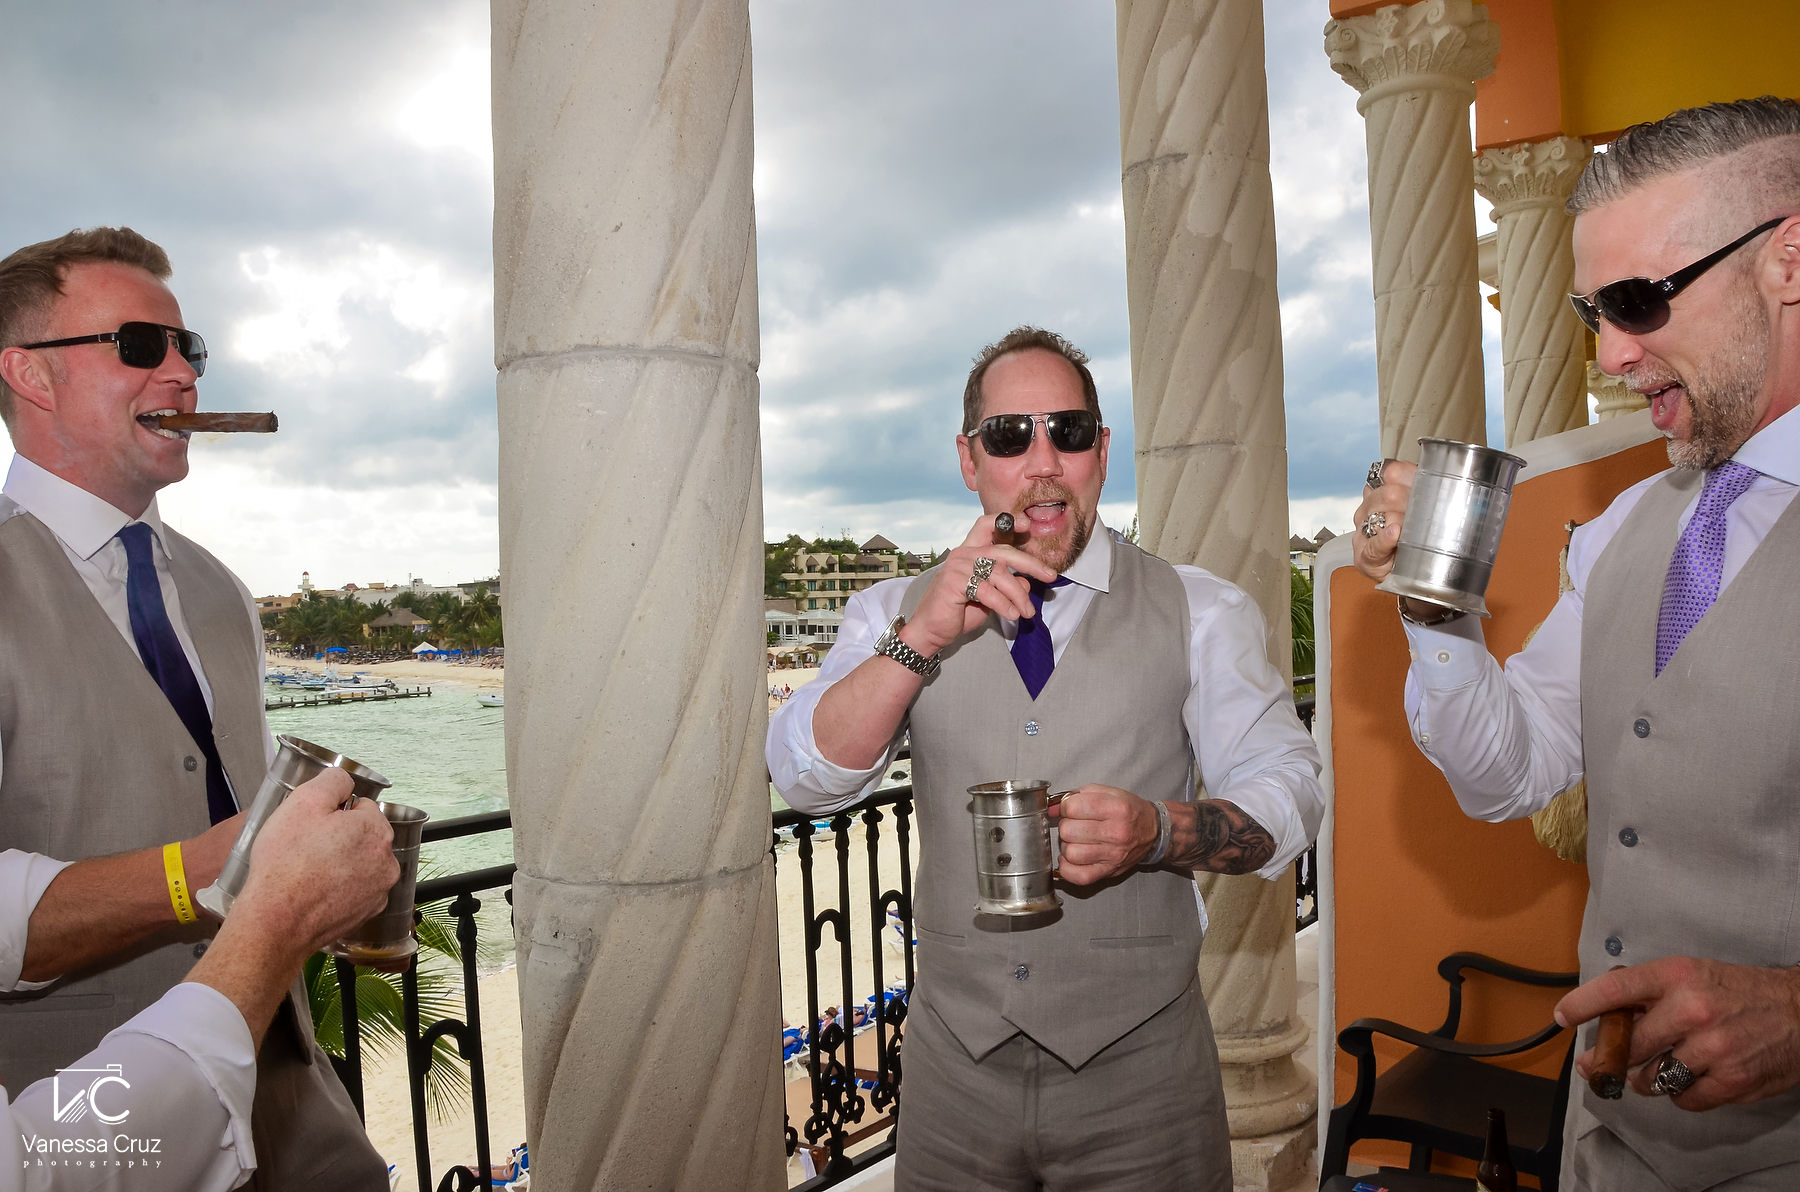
<point x="490" y="699"/>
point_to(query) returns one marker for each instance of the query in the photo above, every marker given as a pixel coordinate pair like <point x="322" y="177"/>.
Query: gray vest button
<point x="1023" y="973"/>
<point x="200" y="949"/>
<point x="1031" y="730"/>
<point x="189" y="764"/>
<point x="1613" y="946"/>
<point x="1641" y="727"/>
<point x="1628" y="837"/>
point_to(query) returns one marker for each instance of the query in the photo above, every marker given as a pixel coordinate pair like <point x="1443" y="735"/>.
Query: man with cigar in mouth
<point x="1677" y="698"/>
<point x="1073" y="1050"/>
<point x="131" y="716"/>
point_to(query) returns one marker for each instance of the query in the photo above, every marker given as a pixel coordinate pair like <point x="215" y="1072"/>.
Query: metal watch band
<point x="1444" y="616"/>
<point x="890" y="646"/>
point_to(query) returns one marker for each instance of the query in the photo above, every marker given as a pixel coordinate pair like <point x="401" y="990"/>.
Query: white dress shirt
<point x="1509" y="740"/>
<point x="1239" y="713"/>
<point x="85" y="527"/>
<point x="191" y="1075"/>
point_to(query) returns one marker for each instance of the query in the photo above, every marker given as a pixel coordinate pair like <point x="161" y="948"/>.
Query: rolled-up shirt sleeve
<point x="185" y="1078"/>
<point x="1248" y="742"/>
<point x="802" y="776"/>
<point x="23" y="879"/>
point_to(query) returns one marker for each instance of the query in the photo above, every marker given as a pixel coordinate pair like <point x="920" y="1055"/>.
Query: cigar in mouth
<point x="261" y="424"/>
<point x="1612" y="1053"/>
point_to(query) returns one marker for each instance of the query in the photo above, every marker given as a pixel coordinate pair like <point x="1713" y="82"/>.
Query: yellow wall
<point x="1626" y="61"/>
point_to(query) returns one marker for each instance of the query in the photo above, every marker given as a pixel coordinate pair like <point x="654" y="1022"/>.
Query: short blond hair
<point x="31" y="280"/>
<point x="1021" y="339"/>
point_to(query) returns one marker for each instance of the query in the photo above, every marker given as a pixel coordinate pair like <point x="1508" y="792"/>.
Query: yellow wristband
<point x="178" y="883"/>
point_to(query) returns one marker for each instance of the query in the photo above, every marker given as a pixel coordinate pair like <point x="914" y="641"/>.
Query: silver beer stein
<point x="1015" y="847"/>
<point x="1453" y="521"/>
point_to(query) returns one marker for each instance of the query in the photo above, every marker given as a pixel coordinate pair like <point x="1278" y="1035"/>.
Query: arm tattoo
<point x="1216" y="835"/>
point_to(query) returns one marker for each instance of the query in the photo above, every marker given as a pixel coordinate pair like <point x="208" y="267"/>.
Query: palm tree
<point x="1300" y="591"/>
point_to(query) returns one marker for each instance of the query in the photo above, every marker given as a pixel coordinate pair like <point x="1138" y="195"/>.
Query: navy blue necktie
<point x="167" y="662"/>
<point x="1032" y="651"/>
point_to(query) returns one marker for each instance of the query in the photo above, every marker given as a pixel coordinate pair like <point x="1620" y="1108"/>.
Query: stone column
<point x="1612" y="397"/>
<point x="1212" y="463"/>
<point x="1415" y="68"/>
<point x="630" y="534"/>
<point x="1541" y="343"/>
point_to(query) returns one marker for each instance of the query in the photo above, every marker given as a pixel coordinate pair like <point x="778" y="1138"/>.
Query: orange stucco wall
<point x="1415" y="879"/>
<point x="1589" y="68"/>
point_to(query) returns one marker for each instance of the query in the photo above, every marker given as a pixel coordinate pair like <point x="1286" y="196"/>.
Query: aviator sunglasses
<point x="1637" y="305"/>
<point x="1007" y="435"/>
<point x="143" y="345"/>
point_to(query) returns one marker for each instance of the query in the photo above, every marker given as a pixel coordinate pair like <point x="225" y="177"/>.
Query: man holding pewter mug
<point x="1676" y="699"/>
<point x="131" y="715"/>
<point x="1067" y="1049"/>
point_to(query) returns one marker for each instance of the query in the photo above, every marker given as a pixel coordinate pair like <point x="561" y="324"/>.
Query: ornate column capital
<point x="1612" y="397"/>
<point x="1536" y="172"/>
<point x="1445" y="43"/>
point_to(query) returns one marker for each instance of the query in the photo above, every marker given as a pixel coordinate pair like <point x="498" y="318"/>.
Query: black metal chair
<point x="1436" y="1098"/>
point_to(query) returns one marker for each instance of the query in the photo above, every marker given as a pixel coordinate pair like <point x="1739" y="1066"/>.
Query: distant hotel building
<point x="822" y="582"/>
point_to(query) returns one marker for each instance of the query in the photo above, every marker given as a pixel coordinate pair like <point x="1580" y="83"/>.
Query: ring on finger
<point x="1374" y="480"/>
<point x="984" y="567"/>
<point x="1374" y="524"/>
<point x="1673" y="1077"/>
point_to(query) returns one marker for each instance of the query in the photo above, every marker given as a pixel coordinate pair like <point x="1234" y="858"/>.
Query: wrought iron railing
<point x="852" y="1090"/>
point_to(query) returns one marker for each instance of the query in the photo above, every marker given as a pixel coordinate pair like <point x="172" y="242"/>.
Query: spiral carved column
<point x="1415" y="67"/>
<point x="1541" y="344"/>
<point x="1212" y="460"/>
<point x="631" y="527"/>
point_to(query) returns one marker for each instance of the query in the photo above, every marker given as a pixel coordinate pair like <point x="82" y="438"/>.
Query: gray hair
<point x="1696" y="137"/>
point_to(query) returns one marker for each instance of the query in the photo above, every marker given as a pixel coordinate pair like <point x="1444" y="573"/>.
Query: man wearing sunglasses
<point x="1677" y="703"/>
<point x="131" y="716"/>
<point x="1070" y="1050"/>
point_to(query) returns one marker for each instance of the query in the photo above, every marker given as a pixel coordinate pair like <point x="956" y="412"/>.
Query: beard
<point x="1722" y="393"/>
<point x="1058" y="551"/>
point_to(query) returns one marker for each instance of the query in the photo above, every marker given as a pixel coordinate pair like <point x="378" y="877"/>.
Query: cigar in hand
<point x="1612" y="1053"/>
<point x="216" y="423"/>
<point x="1003" y="531"/>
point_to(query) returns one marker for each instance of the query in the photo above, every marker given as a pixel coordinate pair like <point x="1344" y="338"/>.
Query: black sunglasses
<point x="1637" y="305"/>
<point x="143" y="345"/>
<point x="1007" y="435"/>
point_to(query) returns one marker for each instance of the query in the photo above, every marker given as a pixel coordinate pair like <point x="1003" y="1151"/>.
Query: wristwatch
<point x="1443" y="616"/>
<point x="889" y="645"/>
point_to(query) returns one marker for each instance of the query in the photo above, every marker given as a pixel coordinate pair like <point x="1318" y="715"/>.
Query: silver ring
<point x="1374" y="480"/>
<point x="1673" y="1077"/>
<point x="984" y="567"/>
<point x="1374" y="524"/>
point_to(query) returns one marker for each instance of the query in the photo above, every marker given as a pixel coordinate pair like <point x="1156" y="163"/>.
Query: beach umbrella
<point x="425" y="648"/>
<point x="335" y="650"/>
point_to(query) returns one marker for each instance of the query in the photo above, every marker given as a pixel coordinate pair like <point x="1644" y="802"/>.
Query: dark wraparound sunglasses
<point x="143" y="345"/>
<point x="1007" y="435"/>
<point x="1637" y="305"/>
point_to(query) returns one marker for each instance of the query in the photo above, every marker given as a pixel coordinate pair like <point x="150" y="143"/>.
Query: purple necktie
<point x="1698" y="564"/>
<point x="1032" y="650"/>
<point x="167" y="662"/>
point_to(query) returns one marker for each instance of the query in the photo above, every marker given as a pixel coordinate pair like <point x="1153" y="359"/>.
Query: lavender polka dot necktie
<point x="1698" y="564"/>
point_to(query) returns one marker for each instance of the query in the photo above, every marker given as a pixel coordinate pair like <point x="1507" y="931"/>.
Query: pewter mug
<point x="1454" y="516"/>
<point x="295" y="762"/>
<point x="386" y="942"/>
<point x="1015" y="852"/>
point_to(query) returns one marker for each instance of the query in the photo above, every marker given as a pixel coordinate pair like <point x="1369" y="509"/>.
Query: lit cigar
<point x="1612" y="1054"/>
<point x="261" y="424"/>
<point x="1003" y="531"/>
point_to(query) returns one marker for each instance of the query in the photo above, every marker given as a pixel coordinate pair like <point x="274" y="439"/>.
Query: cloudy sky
<point x="928" y="175"/>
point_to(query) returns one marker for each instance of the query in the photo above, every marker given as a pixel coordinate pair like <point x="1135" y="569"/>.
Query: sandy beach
<point x="406" y="673"/>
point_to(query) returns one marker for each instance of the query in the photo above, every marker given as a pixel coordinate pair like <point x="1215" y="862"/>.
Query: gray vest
<point x="1111" y="713"/>
<point x="1693" y="829"/>
<point x="98" y="762"/>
